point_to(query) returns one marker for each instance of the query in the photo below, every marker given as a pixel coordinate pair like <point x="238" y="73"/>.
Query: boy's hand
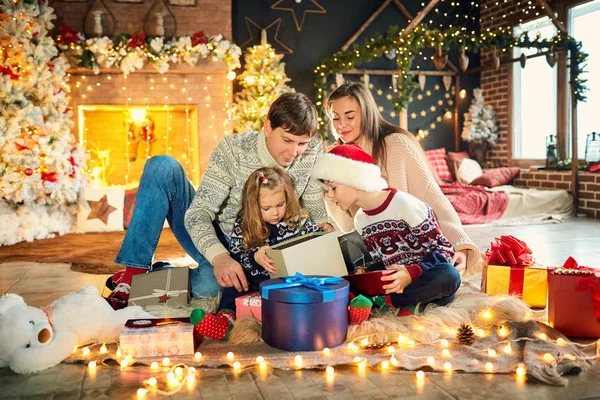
<point x="261" y="259"/>
<point x="460" y="261"/>
<point x="399" y="279"/>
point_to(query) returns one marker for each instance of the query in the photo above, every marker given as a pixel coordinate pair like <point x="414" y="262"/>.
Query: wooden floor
<point x="39" y="284"/>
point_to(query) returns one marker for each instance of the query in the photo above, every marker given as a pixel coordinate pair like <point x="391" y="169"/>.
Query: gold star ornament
<point x="100" y="209"/>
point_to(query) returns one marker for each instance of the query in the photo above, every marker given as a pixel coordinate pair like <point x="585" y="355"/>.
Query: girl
<point x="355" y="118"/>
<point x="270" y="214"/>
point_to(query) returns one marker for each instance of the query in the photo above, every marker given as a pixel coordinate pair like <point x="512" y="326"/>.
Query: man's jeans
<point x="165" y="192"/>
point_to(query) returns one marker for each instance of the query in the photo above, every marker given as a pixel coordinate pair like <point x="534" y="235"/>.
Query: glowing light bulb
<point x="364" y="342"/>
<point x="141" y="392"/>
<point x="85" y="351"/>
<point x="262" y="365"/>
<point x="561" y="342"/>
<point x="118" y="352"/>
<point x="502" y="331"/>
<point x="230" y="356"/>
<point x="489" y="367"/>
<point x="420" y="374"/>
<point x="507" y="349"/>
<point x="521" y="371"/>
<point x="124" y="363"/>
<point x="394" y="361"/>
<point x="447" y="366"/>
<point x="430" y="360"/>
<point x="198" y="356"/>
<point x="491" y="352"/>
<point x="154" y="365"/>
<point x="543" y="336"/>
<point x="166" y="361"/>
<point x="329" y="370"/>
<point x="462" y="93"/>
<point x="391" y="349"/>
<point x="103" y="349"/>
<point x="411" y="343"/>
<point x="480" y="332"/>
<point x="170" y="376"/>
<point x="385" y="365"/>
<point x="444" y="343"/>
<point x="260" y="359"/>
<point x="487" y="314"/>
<point x="152" y="381"/>
<point x="237" y="366"/>
<point x="92" y="365"/>
<point x="298" y="360"/>
<point x="401" y="339"/>
<point x="326" y="351"/>
<point x="362" y="365"/>
<point x="446" y="353"/>
<point x="549" y="358"/>
<point x="190" y="378"/>
<point x="178" y="371"/>
<point x="191" y="371"/>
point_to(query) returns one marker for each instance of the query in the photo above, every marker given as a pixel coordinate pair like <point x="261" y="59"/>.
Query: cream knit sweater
<point x="406" y="169"/>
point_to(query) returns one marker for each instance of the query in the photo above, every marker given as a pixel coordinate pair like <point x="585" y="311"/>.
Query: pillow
<point x="437" y="159"/>
<point x="128" y="206"/>
<point x="468" y="170"/>
<point x="496" y="177"/>
<point x="101" y="209"/>
<point x="453" y="160"/>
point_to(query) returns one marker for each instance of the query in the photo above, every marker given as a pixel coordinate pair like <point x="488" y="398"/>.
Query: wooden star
<point x="100" y="209"/>
<point x="163" y="298"/>
<point x="299" y="25"/>
<point x="275" y="24"/>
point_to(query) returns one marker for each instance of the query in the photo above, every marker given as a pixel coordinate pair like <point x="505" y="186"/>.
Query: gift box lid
<point x="299" y="289"/>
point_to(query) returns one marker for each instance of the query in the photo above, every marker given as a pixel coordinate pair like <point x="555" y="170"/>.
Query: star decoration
<point x="432" y="125"/>
<point x="423" y="113"/>
<point x="419" y="97"/>
<point x="380" y="108"/>
<point x="450" y="102"/>
<point x="379" y="92"/>
<point x="275" y="25"/>
<point x="163" y="299"/>
<point x="371" y="86"/>
<point x="447" y="95"/>
<point x="428" y="93"/>
<point x="413" y="115"/>
<point x="437" y="87"/>
<point x="299" y="25"/>
<point x="393" y="114"/>
<point x="439" y="119"/>
<point x="432" y="108"/>
<point x="389" y="97"/>
<point x="100" y="209"/>
<point x="440" y="102"/>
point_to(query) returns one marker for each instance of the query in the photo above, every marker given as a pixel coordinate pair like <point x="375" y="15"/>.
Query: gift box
<point x="574" y="300"/>
<point x="510" y="269"/>
<point x="310" y="254"/>
<point x="249" y="305"/>
<point x="157" y="337"/>
<point x="169" y="286"/>
<point x="368" y="283"/>
<point x="304" y="313"/>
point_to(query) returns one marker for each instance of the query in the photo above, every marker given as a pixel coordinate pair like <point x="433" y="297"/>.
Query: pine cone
<point x="465" y="335"/>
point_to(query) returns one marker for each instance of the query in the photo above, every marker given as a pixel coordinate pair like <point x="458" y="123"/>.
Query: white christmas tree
<point x="40" y="160"/>
<point x="480" y="122"/>
<point x="262" y="81"/>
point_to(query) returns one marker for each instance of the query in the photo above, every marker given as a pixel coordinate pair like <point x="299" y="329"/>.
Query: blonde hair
<point x="372" y="124"/>
<point x="254" y="229"/>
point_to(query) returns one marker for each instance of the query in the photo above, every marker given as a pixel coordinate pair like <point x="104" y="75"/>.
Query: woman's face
<point x="346" y="115"/>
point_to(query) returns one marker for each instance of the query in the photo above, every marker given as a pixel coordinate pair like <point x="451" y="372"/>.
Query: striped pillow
<point x="496" y="177"/>
<point x="437" y="159"/>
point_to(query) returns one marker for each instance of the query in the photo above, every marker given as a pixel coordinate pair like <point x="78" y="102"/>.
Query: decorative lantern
<point x="551" y="152"/>
<point x="592" y="147"/>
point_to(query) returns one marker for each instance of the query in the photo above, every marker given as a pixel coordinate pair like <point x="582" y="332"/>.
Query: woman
<point x="355" y="118"/>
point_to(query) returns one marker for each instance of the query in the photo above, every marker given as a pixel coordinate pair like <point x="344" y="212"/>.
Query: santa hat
<point x="349" y="165"/>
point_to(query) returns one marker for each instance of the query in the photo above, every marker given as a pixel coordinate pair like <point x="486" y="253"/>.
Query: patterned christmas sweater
<point x="402" y="230"/>
<point x="277" y="234"/>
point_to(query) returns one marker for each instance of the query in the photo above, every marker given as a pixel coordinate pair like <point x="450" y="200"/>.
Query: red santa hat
<point x="349" y="165"/>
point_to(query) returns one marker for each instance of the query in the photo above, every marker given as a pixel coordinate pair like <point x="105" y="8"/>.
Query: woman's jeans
<point x="165" y="192"/>
<point x="437" y="284"/>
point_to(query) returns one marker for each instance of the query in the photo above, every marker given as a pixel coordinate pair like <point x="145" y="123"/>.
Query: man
<point x="202" y="220"/>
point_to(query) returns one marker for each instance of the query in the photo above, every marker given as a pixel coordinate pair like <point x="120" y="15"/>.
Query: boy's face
<point x="344" y="196"/>
<point x="283" y="146"/>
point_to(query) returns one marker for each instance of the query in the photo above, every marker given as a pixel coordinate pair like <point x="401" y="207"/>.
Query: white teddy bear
<point x="33" y="339"/>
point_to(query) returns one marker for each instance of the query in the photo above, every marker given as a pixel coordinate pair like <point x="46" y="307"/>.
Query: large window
<point x="584" y="27"/>
<point x="534" y="96"/>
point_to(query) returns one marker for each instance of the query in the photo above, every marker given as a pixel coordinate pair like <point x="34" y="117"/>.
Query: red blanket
<point x="474" y="204"/>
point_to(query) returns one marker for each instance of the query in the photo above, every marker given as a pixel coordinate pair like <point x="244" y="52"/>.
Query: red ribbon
<point x="516" y="281"/>
<point x="586" y="283"/>
<point x="510" y="251"/>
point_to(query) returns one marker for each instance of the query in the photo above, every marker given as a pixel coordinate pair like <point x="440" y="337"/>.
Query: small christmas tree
<point x="263" y="81"/>
<point x="480" y="122"/>
<point x="40" y="161"/>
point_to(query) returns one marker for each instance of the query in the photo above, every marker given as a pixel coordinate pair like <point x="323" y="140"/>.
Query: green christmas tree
<point x="262" y="81"/>
<point x="40" y="160"/>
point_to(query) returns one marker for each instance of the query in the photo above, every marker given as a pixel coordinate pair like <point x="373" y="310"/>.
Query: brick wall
<point x="206" y="90"/>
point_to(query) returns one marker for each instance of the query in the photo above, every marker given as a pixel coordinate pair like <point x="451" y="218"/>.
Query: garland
<point x="131" y="52"/>
<point x="423" y="37"/>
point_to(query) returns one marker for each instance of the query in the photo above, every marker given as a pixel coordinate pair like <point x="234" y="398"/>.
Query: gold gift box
<point x="535" y="283"/>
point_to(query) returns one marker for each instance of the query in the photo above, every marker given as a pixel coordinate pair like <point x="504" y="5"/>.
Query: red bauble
<point x="28" y="172"/>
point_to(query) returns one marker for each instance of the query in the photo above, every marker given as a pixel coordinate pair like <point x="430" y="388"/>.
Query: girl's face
<point x="272" y="205"/>
<point x="344" y="196"/>
<point x="346" y="116"/>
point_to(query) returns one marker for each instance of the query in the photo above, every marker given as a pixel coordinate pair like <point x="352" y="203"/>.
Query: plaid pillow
<point x="128" y="206"/>
<point x="437" y="159"/>
<point x="496" y="177"/>
<point x="453" y="160"/>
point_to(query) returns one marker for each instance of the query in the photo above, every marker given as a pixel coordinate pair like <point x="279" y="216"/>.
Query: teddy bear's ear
<point x="8" y="301"/>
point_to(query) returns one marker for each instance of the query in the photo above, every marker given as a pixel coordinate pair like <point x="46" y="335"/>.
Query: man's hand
<point x="229" y="272"/>
<point x="459" y="260"/>
<point x="400" y="279"/>
<point x="261" y="259"/>
<point x="327" y="227"/>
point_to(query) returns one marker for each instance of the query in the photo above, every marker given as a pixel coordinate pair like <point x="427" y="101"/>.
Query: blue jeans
<point x="230" y="293"/>
<point x="437" y="284"/>
<point x="164" y="193"/>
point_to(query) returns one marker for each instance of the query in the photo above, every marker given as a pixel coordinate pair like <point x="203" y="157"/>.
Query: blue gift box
<point x="304" y="313"/>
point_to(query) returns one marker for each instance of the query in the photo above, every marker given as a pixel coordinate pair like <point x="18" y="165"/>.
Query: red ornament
<point x="136" y="41"/>
<point x="198" y="38"/>
<point x="49" y="176"/>
<point x="28" y="171"/>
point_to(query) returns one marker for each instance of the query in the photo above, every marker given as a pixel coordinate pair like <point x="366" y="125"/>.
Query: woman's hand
<point x="261" y="259"/>
<point x="459" y="260"/>
<point x="400" y="279"/>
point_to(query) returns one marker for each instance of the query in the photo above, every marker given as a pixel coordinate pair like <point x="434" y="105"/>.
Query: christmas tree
<point x="262" y="81"/>
<point x="480" y="122"/>
<point x="40" y="160"/>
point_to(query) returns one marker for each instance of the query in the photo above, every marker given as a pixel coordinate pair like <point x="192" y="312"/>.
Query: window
<point x="534" y="96"/>
<point x="582" y="23"/>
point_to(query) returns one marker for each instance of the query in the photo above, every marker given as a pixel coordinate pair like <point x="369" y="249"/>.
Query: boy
<point x="398" y="229"/>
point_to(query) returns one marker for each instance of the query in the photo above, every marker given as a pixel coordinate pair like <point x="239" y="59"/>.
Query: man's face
<point x="283" y="146"/>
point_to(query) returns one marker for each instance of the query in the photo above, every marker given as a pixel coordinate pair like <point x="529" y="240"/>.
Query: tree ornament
<point x="465" y="335"/>
<point x="440" y="58"/>
<point x="523" y="60"/>
<point x="422" y="80"/>
<point x="28" y="171"/>
<point x="447" y="79"/>
<point x="463" y="60"/>
<point x="495" y="58"/>
<point x="551" y="58"/>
